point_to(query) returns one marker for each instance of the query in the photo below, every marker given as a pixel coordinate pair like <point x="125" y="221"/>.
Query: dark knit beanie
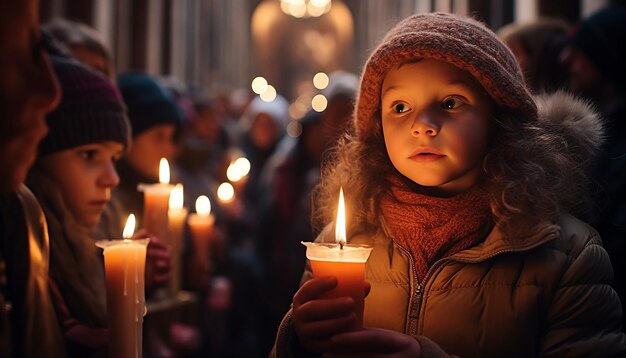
<point x="460" y="41"/>
<point x="601" y="38"/>
<point x="149" y="103"/>
<point x="91" y="109"/>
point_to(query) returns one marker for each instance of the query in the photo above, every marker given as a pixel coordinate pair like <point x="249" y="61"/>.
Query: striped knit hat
<point x="460" y="41"/>
<point x="91" y="109"/>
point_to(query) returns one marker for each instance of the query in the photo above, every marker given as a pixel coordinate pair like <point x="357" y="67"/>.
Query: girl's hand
<point x="316" y="320"/>
<point x="158" y="259"/>
<point x="373" y="342"/>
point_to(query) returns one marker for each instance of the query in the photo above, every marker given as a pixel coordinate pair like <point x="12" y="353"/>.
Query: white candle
<point x="176" y="221"/>
<point x="124" y="264"/>
<point x="201" y="226"/>
<point x="156" y="201"/>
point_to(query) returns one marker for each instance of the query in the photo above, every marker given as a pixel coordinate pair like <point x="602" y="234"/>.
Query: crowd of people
<point x="487" y="172"/>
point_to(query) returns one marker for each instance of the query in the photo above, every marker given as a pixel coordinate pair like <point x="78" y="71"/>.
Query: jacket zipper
<point x="418" y="291"/>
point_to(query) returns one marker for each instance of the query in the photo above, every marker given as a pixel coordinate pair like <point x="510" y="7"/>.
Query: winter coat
<point x="547" y="294"/>
<point x="28" y="325"/>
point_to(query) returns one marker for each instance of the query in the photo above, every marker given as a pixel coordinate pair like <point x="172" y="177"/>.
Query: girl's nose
<point x="423" y="124"/>
<point x="109" y="177"/>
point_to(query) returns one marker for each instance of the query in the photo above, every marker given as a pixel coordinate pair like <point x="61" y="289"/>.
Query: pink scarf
<point x="432" y="227"/>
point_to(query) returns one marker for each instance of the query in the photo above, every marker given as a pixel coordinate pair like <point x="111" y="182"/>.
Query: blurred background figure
<point x="28" y="90"/>
<point x="285" y="205"/>
<point x="595" y="59"/>
<point x="537" y="46"/>
<point x="156" y="120"/>
<point x="83" y="42"/>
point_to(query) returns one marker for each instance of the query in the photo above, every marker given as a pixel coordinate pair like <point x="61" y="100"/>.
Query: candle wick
<point x="341" y="243"/>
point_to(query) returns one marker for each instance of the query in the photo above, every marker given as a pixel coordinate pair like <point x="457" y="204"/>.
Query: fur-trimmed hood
<point x="576" y="133"/>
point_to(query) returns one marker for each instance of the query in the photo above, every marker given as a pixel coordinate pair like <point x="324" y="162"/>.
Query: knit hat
<point x="460" y="41"/>
<point x="91" y="109"/>
<point x="149" y="103"/>
<point x="601" y="38"/>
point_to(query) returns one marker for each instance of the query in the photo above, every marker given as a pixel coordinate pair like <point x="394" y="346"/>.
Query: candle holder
<point x="347" y="263"/>
<point x="124" y="264"/>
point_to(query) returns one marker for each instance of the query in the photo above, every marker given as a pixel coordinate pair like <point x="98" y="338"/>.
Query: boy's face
<point x="85" y="176"/>
<point x="149" y="147"/>
<point x="28" y="90"/>
<point x="436" y="122"/>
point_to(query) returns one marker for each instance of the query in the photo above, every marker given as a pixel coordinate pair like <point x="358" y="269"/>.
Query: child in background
<point x="72" y="178"/>
<point x="461" y="181"/>
<point x="83" y="42"/>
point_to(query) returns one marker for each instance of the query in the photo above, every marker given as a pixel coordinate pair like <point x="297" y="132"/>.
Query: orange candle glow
<point x="201" y="226"/>
<point x="344" y="261"/>
<point x="124" y="264"/>
<point x="156" y="201"/>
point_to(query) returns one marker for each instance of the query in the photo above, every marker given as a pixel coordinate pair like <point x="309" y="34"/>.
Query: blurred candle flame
<point x="203" y="205"/>
<point x="176" y="197"/>
<point x="340" y="224"/>
<point x="164" y="171"/>
<point x="238" y="169"/>
<point x="225" y="192"/>
<point x="129" y="228"/>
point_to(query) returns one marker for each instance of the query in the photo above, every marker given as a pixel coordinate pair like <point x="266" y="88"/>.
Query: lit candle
<point x="201" y="226"/>
<point x="226" y="193"/>
<point x="176" y="221"/>
<point x="237" y="173"/>
<point x="344" y="261"/>
<point x="156" y="200"/>
<point x="124" y="265"/>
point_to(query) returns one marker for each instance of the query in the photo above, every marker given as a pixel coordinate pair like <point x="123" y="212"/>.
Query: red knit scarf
<point x="432" y="227"/>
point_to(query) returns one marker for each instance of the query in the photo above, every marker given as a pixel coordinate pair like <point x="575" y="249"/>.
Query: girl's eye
<point x="400" y="107"/>
<point x="452" y="103"/>
<point x="89" y="154"/>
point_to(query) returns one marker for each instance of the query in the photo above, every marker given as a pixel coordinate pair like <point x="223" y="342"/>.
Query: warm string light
<point x="305" y="8"/>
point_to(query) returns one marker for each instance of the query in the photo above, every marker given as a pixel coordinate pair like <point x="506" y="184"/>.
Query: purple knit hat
<point x="460" y="41"/>
<point x="91" y="109"/>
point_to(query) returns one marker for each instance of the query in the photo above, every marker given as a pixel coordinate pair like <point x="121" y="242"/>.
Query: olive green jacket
<point x="548" y="294"/>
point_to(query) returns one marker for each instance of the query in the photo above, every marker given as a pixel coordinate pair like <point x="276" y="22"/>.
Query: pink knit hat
<point x="460" y="41"/>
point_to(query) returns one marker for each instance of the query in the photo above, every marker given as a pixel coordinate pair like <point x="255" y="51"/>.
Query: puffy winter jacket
<point x="547" y="294"/>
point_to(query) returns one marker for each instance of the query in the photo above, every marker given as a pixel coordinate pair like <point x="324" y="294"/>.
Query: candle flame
<point x="129" y="228"/>
<point x="203" y="205"/>
<point x="164" y="171"/>
<point x="238" y="169"/>
<point x="225" y="192"/>
<point x="340" y="223"/>
<point x="176" y="197"/>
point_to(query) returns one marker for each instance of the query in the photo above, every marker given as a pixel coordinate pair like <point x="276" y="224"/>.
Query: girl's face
<point x="149" y="147"/>
<point x="85" y="175"/>
<point x="436" y="122"/>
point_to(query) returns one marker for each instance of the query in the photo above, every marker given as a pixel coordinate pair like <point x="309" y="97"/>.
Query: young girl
<point x="459" y="180"/>
<point x="72" y="178"/>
